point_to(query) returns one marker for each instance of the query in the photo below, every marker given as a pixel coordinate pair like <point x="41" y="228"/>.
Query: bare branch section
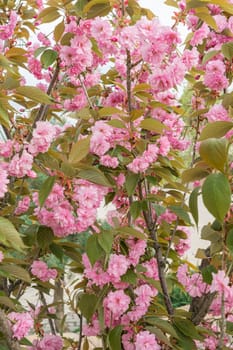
<point x="6" y="330"/>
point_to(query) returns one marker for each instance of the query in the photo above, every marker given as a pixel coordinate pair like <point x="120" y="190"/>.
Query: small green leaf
<point x="79" y="150"/>
<point x="186" y="327"/>
<point x="129" y="277"/>
<point x="229" y="241"/>
<point x="227" y="50"/>
<point x="131" y="232"/>
<point x="48" y="57"/>
<point x="96" y="8"/>
<point x="105" y="240"/>
<point x="93" y="249"/>
<point x="9" y="236"/>
<point x="109" y="111"/>
<point x="33" y="93"/>
<point x="216" y="193"/>
<point x="94" y="175"/>
<point x="87" y="304"/>
<point x="135" y="209"/>
<point x="215" y="130"/>
<point x="5" y="301"/>
<point x="194" y="174"/>
<point x="193" y="204"/>
<point x="181" y="213"/>
<point x="164" y="325"/>
<point x="131" y="183"/>
<point x="45" y="237"/>
<point x="207" y="273"/>
<point x="114" y="338"/>
<point x="229" y="327"/>
<point x="209" y="55"/>
<point x="45" y="190"/>
<point x="152" y="125"/>
<point x="214" y="152"/>
<point x="16" y="272"/>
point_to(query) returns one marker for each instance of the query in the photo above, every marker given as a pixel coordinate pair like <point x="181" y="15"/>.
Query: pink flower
<point x="220" y="282"/>
<point x="23" y="205"/>
<point x="20" y="166"/>
<point x="117" y="302"/>
<point x="6" y="148"/>
<point x="23" y="322"/>
<point x="146" y="341"/>
<point x="49" y="342"/>
<point x="42" y="137"/>
<point x="7" y="30"/>
<point x="40" y="270"/>
<point x="117" y="266"/>
<point x="108" y="161"/>
<point x="3" y="181"/>
<point x="200" y="34"/>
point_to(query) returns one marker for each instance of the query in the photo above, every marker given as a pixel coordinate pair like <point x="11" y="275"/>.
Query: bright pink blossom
<point x="22" y="324"/>
<point x="41" y="271"/>
<point x="49" y="342"/>
<point x="146" y="341"/>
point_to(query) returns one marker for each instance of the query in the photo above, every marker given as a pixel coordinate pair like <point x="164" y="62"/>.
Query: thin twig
<point x="80" y="332"/>
<point x="51" y="325"/>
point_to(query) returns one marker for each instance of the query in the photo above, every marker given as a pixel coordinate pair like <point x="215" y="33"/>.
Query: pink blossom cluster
<point x="22" y="323"/>
<point x="89" y="197"/>
<point x="23" y="205"/>
<point x="214" y="77"/>
<point x="7" y="30"/>
<point x="42" y="137"/>
<point x="48" y="342"/>
<point x="40" y="270"/>
<point x="193" y="284"/>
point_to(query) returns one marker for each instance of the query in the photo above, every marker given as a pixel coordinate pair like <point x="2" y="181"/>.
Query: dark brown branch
<point x="80" y="332"/>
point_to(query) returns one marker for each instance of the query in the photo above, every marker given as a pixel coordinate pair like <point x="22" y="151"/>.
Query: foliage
<point x="89" y="115"/>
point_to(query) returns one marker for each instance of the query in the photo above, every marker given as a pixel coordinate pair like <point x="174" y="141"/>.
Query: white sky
<point x="160" y="9"/>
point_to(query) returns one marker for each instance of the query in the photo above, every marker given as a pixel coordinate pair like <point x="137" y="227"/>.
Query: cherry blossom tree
<point x="91" y="115"/>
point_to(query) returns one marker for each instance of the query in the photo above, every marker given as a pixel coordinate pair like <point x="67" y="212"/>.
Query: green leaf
<point x="79" y="150"/>
<point x="159" y="335"/>
<point x="9" y="236"/>
<point x="93" y="249"/>
<point x="96" y="8"/>
<point x="105" y="240"/>
<point x="129" y="277"/>
<point x="45" y="189"/>
<point x="207" y="273"/>
<point x="34" y="94"/>
<point x="215" y="130"/>
<point x="229" y="241"/>
<point x="131" y="232"/>
<point x="16" y="272"/>
<point x="109" y="111"/>
<point x="87" y="304"/>
<point x="181" y="213"/>
<point x="194" y="174"/>
<point x="48" y="57"/>
<point x="152" y="125"/>
<point x="227" y="50"/>
<point x="94" y="175"/>
<point x="45" y="237"/>
<point x="193" y="204"/>
<point x="114" y="338"/>
<point x="131" y="183"/>
<point x="209" y="55"/>
<point x="116" y="123"/>
<point x="214" y="152"/>
<point x="58" y="31"/>
<point x="49" y="14"/>
<point x="216" y="193"/>
<point x="229" y="327"/>
<point x="4" y="119"/>
<point x="211" y="235"/>
<point x="135" y="209"/>
<point x="186" y="327"/>
<point x="164" y="325"/>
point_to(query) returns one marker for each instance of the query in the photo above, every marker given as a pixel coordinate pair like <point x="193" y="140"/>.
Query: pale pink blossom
<point x="41" y="271"/>
<point x="117" y="303"/>
<point x="48" y="342"/>
<point x="146" y="341"/>
<point x="22" y="324"/>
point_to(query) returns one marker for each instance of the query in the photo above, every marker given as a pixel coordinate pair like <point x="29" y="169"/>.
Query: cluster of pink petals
<point x="214" y="77"/>
<point x="193" y="284"/>
<point x="7" y="30"/>
<point x="42" y="137"/>
<point x="40" y="270"/>
<point x="3" y="181"/>
<point x="146" y="341"/>
<point x="22" y="324"/>
<point x="23" y="205"/>
<point x="48" y="342"/>
<point x="116" y="303"/>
